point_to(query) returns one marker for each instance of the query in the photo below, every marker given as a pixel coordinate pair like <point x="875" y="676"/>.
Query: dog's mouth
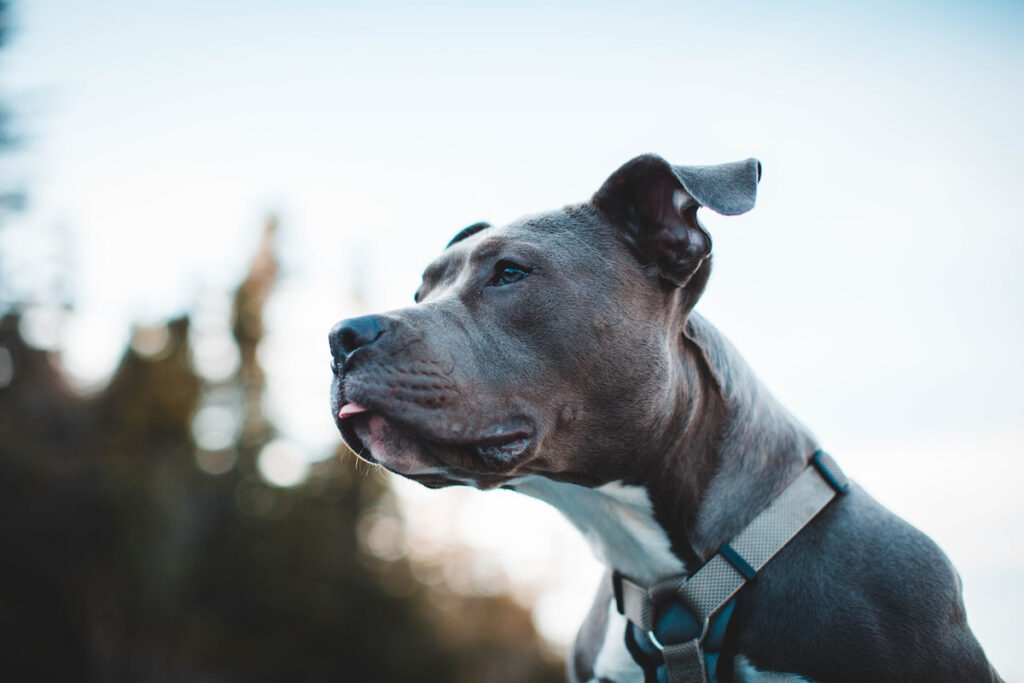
<point x="348" y="434"/>
<point x="484" y="460"/>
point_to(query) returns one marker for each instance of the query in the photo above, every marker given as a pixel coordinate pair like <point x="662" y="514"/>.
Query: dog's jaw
<point x="486" y="460"/>
<point x="396" y="451"/>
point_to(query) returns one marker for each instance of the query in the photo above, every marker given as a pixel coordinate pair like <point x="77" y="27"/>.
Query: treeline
<point x="124" y="560"/>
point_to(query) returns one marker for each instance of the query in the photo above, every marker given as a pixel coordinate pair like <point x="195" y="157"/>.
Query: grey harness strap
<point x="712" y="587"/>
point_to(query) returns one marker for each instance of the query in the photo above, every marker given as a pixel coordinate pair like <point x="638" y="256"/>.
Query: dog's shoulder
<point x="851" y="597"/>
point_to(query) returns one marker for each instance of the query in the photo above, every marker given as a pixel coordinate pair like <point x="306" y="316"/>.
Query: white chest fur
<point x="618" y="522"/>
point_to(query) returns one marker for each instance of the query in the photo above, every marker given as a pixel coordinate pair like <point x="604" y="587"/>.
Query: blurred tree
<point x="10" y="198"/>
<point x="123" y="560"/>
<point x="130" y="552"/>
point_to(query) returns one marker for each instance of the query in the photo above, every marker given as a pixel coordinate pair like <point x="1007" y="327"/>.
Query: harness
<point x="676" y="626"/>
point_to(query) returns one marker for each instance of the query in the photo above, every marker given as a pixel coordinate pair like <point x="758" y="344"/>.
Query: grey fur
<point x="592" y="368"/>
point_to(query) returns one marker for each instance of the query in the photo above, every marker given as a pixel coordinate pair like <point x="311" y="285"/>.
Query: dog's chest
<point x="618" y="522"/>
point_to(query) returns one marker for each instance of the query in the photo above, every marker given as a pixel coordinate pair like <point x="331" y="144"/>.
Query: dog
<point x="560" y="356"/>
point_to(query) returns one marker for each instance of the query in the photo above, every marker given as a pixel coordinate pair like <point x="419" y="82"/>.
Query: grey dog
<point x="560" y="356"/>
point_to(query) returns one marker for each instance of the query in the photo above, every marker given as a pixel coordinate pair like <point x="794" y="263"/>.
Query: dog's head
<point x="548" y="346"/>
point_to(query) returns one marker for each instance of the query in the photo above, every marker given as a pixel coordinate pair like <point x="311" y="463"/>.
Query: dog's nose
<point x="352" y="334"/>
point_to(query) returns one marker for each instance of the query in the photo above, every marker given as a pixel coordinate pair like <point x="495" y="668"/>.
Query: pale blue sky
<point x="889" y="133"/>
<point x="876" y="287"/>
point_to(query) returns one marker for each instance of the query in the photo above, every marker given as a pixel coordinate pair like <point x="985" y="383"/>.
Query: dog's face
<point x="547" y="346"/>
<point x="515" y="359"/>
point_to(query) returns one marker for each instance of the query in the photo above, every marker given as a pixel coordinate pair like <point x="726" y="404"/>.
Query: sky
<point x="875" y="287"/>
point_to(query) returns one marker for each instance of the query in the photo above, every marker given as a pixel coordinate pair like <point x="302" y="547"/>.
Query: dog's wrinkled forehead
<point x="564" y="222"/>
<point x="458" y="252"/>
<point x="524" y="239"/>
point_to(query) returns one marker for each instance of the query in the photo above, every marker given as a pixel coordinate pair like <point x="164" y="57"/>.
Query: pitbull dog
<point x="560" y="356"/>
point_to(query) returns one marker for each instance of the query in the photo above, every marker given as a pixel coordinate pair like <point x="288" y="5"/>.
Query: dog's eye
<point x="506" y="272"/>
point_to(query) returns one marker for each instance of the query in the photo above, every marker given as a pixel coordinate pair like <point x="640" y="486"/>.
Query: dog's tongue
<point x="350" y="409"/>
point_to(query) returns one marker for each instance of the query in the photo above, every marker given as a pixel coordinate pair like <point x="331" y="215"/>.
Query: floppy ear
<point x="655" y="205"/>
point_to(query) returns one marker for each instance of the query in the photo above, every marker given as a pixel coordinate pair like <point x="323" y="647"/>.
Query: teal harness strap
<point x="676" y="627"/>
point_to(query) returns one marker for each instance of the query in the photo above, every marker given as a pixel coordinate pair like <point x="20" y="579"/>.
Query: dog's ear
<point x="468" y="232"/>
<point x="655" y="205"/>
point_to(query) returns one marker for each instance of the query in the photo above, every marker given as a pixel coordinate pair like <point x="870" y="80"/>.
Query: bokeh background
<point x="192" y="193"/>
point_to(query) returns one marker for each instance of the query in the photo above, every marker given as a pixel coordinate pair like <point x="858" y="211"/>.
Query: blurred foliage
<point x="124" y="561"/>
<point x="129" y="553"/>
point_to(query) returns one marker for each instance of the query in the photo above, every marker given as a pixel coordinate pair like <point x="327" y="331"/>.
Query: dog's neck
<point x="732" y="449"/>
<point x="742" y="448"/>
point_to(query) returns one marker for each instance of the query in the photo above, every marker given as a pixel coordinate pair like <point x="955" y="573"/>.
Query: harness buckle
<point x="653" y="637"/>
